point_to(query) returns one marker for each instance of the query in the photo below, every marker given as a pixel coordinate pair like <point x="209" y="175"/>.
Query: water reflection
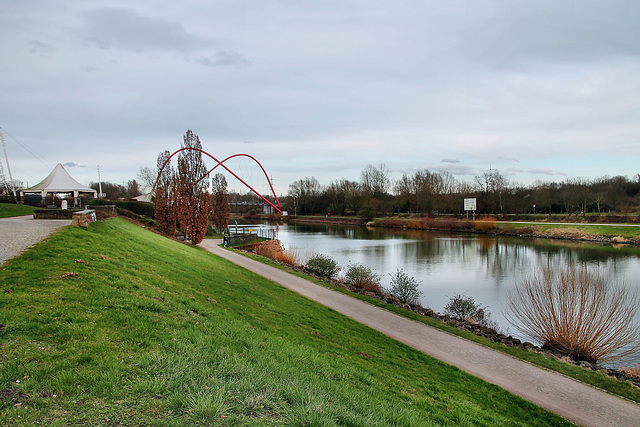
<point x="484" y="267"/>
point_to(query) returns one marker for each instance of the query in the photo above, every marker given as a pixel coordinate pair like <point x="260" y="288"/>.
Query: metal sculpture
<point x="221" y="163"/>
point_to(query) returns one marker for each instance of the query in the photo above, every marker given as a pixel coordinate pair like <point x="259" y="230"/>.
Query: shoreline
<point x="554" y="231"/>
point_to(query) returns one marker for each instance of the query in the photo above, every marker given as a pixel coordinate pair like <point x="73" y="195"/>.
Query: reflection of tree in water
<point x="603" y="259"/>
<point x="502" y="258"/>
<point x="507" y="258"/>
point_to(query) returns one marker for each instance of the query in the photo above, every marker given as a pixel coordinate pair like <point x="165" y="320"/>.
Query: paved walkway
<point x="19" y="233"/>
<point x="568" y="398"/>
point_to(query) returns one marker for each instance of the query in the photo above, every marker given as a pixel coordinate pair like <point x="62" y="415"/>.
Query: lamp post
<point x="534" y="209"/>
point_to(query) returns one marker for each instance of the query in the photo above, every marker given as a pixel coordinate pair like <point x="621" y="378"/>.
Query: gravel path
<point x="566" y="397"/>
<point x="21" y="232"/>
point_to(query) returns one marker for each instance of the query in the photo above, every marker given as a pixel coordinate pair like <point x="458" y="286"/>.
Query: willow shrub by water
<point x="577" y="313"/>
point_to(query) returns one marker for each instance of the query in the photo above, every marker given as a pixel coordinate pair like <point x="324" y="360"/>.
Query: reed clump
<point x="275" y="250"/>
<point x="577" y="313"/>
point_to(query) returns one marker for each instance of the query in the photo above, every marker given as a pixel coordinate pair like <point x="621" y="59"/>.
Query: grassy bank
<point x="594" y="377"/>
<point x="118" y="325"/>
<point x="8" y="210"/>
<point x="590" y="232"/>
<point x="577" y="231"/>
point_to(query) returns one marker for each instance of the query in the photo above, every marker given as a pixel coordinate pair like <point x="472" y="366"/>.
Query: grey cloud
<point x="461" y="170"/>
<point x="541" y="33"/>
<point x="549" y="172"/>
<point x="224" y="58"/>
<point x="73" y="165"/>
<point x="450" y="161"/>
<point x="39" y="47"/>
<point x="124" y="29"/>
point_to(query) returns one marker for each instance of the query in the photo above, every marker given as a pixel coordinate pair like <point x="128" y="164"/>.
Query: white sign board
<point x="469" y="204"/>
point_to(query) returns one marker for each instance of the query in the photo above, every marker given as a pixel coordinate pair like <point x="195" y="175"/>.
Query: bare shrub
<point x="362" y="277"/>
<point x="370" y="285"/>
<point x="484" y="224"/>
<point x="405" y="287"/>
<point x="413" y="224"/>
<point x="577" y="313"/>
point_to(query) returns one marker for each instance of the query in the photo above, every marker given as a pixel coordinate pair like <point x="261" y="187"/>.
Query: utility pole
<point x="4" y="147"/>
<point x="99" y="183"/>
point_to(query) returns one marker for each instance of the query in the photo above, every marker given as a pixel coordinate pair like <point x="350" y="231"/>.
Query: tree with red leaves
<point x="193" y="201"/>
<point x="163" y="204"/>
<point x="220" y="200"/>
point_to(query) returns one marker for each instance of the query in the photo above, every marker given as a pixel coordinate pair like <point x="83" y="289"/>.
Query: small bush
<point x="362" y="277"/>
<point x="370" y="285"/>
<point x="484" y="224"/>
<point x="463" y="307"/>
<point x="323" y="266"/>
<point x="413" y="224"/>
<point x="366" y="213"/>
<point x="405" y="287"/>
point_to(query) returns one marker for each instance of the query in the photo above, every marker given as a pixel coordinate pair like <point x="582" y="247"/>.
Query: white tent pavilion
<point x="59" y="181"/>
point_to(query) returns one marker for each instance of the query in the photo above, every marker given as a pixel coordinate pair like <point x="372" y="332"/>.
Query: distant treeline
<point x="427" y="192"/>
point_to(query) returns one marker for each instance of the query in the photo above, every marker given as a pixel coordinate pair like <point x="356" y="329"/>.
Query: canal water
<point x="447" y="264"/>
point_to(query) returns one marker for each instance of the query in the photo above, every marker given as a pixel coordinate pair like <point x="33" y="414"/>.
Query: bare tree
<point x="374" y="181"/>
<point x="577" y="313"/>
<point x="343" y="195"/>
<point x="132" y="189"/>
<point x="493" y="184"/>
<point x="146" y="178"/>
<point x="306" y="194"/>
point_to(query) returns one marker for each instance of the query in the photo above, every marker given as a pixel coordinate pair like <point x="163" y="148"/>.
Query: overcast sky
<point x="540" y="89"/>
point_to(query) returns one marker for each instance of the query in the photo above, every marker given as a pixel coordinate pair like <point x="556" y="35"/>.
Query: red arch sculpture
<point x="221" y="163"/>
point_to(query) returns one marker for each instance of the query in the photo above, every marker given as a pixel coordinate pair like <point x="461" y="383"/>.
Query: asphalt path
<point x="573" y="400"/>
<point x="19" y="233"/>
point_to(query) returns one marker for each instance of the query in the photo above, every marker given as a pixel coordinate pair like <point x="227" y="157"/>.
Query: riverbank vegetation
<point x="600" y="233"/>
<point x="439" y="192"/>
<point x="118" y="325"/>
<point x="577" y="313"/>
<point x="470" y="320"/>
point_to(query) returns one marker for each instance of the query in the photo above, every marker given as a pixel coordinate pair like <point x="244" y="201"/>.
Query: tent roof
<point x="59" y="181"/>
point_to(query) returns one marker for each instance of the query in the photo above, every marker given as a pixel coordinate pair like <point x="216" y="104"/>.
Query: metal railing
<point x="238" y="235"/>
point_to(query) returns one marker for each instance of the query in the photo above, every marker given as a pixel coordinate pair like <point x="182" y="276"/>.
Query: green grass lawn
<point x="8" y="210"/>
<point x="628" y="232"/>
<point x="117" y="325"/>
<point x="588" y="376"/>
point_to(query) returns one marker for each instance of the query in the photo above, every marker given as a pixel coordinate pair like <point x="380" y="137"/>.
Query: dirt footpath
<point x="566" y="397"/>
<point x="19" y="233"/>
